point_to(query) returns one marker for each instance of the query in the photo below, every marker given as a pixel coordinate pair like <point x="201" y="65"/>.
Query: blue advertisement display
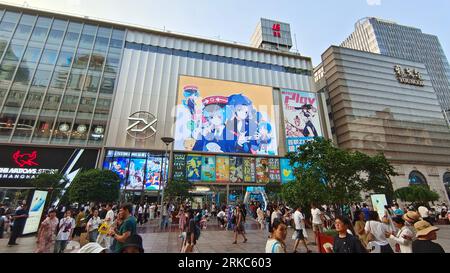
<point x="153" y="177"/>
<point x="301" y="118"/>
<point x="287" y="172"/>
<point x="119" y="166"/>
<point x="194" y="168"/>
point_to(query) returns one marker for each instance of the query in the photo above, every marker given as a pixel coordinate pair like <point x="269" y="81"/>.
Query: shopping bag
<point x="84" y="239"/>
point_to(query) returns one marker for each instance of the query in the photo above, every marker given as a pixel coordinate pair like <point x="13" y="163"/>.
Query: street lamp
<point x="167" y="141"/>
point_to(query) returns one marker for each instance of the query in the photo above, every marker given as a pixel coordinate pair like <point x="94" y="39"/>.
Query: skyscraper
<point x="391" y="39"/>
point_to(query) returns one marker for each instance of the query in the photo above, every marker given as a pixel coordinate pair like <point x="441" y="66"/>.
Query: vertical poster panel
<point x="301" y="118"/>
<point x="119" y="165"/>
<point x="236" y="169"/>
<point x="274" y="170"/>
<point x="262" y="170"/>
<point x="136" y="174"/>
<point x="35" y="213"/>
<point x="224" y="117"/>
<point x="222" y="168"/>
<point x="209" y="169"/>
<point x="249" y="170"/>
<point x="154" y="172"/>
<point x="179" y="167"/>
<point x="287" y="172"/>
<point x="194" y="168"/>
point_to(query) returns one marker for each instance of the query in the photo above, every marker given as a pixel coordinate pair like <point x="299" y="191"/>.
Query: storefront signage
<point x="141" y="125"/>
<point x="408" y="76"/>
<point x="20" y="164"/>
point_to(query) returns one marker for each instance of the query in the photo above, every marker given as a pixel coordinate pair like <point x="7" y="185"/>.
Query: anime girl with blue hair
<point x="241" y="128"/>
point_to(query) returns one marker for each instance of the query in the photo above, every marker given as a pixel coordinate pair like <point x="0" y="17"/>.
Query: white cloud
<point x="373" y="2"/>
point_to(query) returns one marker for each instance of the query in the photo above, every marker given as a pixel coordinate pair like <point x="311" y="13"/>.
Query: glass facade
<point x="57" y="78"/>
<point x="391" y="39"/>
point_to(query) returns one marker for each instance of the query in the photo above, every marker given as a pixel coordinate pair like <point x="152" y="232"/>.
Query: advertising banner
<point x="301" y="118"/>
<point x="20" y="164"/>
<point x="35" y="213"/>
<point x="378" y="203"/>
<point x="222" y="168"/>
<point x="274" y="170"/>
<point x="179" y="167"/>
<point x="209" y="169"/>
<point x="119" y="165"/>
<point x="287" y="172"/>
<point x="236" y="169"/>
<point x="224" y="117"/>
<point x="262" y="170"/>
<point x="249" y="169"/>
<point x="154" y="172"/>
<point x="136" y="174"/>
<point x="194" y="168"/>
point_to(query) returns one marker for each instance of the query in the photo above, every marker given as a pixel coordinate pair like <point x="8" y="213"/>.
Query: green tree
<point x="53" y="183"/>
<point x="178" y="189"/>
<point x="326" y="174"/>
<point x="273" y="190"/>
<point x="418" y="194"/>
<point x="94" y="186"/>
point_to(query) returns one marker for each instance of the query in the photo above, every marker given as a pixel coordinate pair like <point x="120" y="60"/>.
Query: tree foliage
<point x="326" y="174"/>
<point x="178" y="189"/>
<point x="94" y="186"/>
<point x="419" y="194"/>
<point x="54" y="183"/>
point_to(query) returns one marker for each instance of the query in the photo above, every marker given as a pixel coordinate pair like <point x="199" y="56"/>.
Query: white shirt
<point x="405" y="245"/>
<point x="316" y="216"/>
<point x="221" y="214"/>
<point x="140" y="210"/>
<point x="298" y="217"/>
<point x="275" y="214"/>
<point x="94" y="223"/>
<point x="423" y="211"/>
<point x="273" y="246"/>
<point x="378" y="230"/>
<point x="110" y="215"/>
<point x="66" y="226"/>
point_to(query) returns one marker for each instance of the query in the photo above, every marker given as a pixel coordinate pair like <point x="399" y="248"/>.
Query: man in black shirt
<point x="344" y="242"/>
<point x="20" y="218"/>
<point x="426" y="233"/>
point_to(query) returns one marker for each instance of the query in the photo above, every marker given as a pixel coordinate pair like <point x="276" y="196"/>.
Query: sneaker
<point x="245" y="240"/>
<point x="234" y="242"/>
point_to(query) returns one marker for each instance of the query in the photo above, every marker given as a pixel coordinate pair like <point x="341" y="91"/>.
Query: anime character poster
<point x="286" y="170"/>
<point x="194" y="168"/>
<point x="301" y="118"/>
<point x="262" y="170"/>
<point x="224" y="117"/>
<point x="119" y="165"/>
<point x="136" y="171"/>
<point x="179" y="167"/>
<point x="208" y="168"/>
<point x="154" y="172"/>
<point x="274" y="170"/>
<point x="222" y="168"/>
<point x="249" y="169"/>
<point x="236" y="169"/>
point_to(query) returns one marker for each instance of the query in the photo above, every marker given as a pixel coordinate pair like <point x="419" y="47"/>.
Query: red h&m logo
<point x="276" y="30"/>
<point x="25" y="159"/>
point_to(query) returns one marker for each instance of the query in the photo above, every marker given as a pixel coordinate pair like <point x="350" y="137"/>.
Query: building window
<point x="417" y="178"/>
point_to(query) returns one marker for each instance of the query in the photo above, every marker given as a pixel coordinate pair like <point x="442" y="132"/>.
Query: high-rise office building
<point x="391" y="39"/>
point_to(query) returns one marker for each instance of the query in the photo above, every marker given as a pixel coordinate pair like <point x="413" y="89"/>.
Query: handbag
<point x="84" y="239"/>
<point x="103" y="228"/>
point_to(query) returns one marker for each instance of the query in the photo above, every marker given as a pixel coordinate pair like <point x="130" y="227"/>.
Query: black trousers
<point x="15" y="233"/>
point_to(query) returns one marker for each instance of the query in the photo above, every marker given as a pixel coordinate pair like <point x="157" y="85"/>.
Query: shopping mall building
<point x="80" y="93"/>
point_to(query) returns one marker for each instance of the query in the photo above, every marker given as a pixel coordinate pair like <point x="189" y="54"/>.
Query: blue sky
<point x="317" y="24"/>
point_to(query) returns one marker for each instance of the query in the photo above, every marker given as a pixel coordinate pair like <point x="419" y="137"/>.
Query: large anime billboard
<point x="301" y="118"/>
<point x="224" y="117"/>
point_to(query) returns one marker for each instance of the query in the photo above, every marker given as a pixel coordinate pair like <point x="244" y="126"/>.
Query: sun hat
<point x="91" y="248"/>
<point x="411" y="216"/>
<point x="423" y="228"/>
